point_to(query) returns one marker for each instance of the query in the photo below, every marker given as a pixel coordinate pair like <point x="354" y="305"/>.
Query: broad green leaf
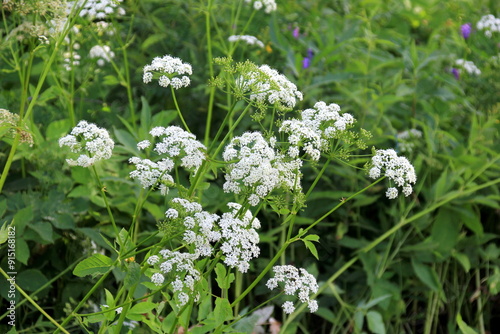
<point x="375" y="322"/>
<point x="222" y="310"/>
<point x="463" y="260"/>
<point x="312" y="237"/>
<point x="22" y="218"/>
<point x="445" y="230"/>
<point x="312" y="248"/>
<point x="463" y="326"/>
<point x="142" y="308"/>
<point x="470" y="218"/>
<point x="133" y="275"/>
<point x="31" y="279"/>
<point x="57" y="129"/>
<point x="97" y="264"/>
<point x="223" y="279"/>
<point x="427" y="275"/>
<point x="44" y="230"/>
<point x="22" y="251"/>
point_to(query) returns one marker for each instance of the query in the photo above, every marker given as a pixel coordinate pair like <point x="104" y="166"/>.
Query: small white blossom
<point x="157" y="278"/>
<point x="468" y="66"/>
<point x="266" y="85"/>
<point x="119" y="310"/>
<point x="407" y="140"/>
<point x="167" y="69"/>
<point x="490" y="24"/>
<point x="316" y="128"/>
<point x="97" y="9"/>
<point x="239" y="242"/>
<point x="250" y="40"/>
<point x="103" y="53"/>
<point x="152" y="260"/>
<point x="91" y="142"/>
<point x="270" y="5"/>
<point x="288" y="307"/>
<point x="398" y="169"/>
<point x="296" y="281"/>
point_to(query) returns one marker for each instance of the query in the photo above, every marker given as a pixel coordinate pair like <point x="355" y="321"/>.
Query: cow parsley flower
<point x="257" y="169"/>
<point x="199" y="225"/>
<point x="268" y="86"/>
<point x="315" y="130"/>
<point x="181" y="268"/>
<point x="468" y="66"/>
<point x="169" y="71"/>
<point x="239" y="237"/>
<point x="407" y="140"/>
<point x="295" y="281"/>
<point x="177" y="147"/>
<point x="490" y="24"/>
<point x="91" y="142"/>
<point x="250" y="40"/>
<point x="269" y="5"/>
<point x="98" y="9"/>
<point x="103" y="53"/>
<point x="398" y="169"/>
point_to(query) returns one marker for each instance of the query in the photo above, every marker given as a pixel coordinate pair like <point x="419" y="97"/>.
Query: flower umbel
<point x="295" y="281"/>
<point x="250" y="40"/>
<point x="93" y="144"/>
<point x="398" y="169"/>
<point x="169" y="71"/>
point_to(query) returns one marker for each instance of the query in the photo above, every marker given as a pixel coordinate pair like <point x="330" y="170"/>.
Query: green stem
<point x="211" y="72"/>
<point x="32" y="302"/>
<point x="179" y="110"/>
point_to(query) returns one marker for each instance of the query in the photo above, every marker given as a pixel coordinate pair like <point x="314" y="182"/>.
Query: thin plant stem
<point x="211" y="73"/>
<point x="32" y="302"/>
<point x="179" y="110"/>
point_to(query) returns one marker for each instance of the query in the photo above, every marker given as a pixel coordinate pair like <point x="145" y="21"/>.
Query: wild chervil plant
<point x="192" y="242"/>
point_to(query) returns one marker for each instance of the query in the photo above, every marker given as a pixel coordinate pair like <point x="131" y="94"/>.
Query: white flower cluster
<point x="97" y="9"/>
<point x="397" y="169"/>
<point x="315" y="129"/>
<point x="258" y="167"/>
<point x="199" y="225"/>
<point x="104" y="54"/>
<point x="250" y="40"/>
<point x="407" y="139"/>
<point x="489" y="24"/>
<point x="71" y="59"/>
<point x="295" y="280"/>
<point x="239" y="238"/>
<point x="270" y="5"/>
<point x="167" y="68"/>
<point x="93" y="144"/>
<point x="468" y="66"/>
<point x="182" y="268"/>
<point x="269" y="86"/>
<point x="177" y="145"/>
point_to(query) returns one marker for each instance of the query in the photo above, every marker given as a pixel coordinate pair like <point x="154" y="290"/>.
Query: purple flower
<point x="306" y="62"/>
<point x="455" y="73"/>
<point x="296" y="33"/>
<point x="466" y="29"/>
<point x="310" y="53"/>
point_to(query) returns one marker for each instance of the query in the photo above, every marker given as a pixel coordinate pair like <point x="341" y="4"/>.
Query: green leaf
<point x="97" y="264"/>
<point x="427" y="275"/>
<point x="470" y="218"/>
<point x="223" y="279"/>
<point x="111" y="80"/>
<point x="142" y="308"/>
<point x="3" y="207"/>
<point x="375" y="322"/>
<point x="222" y="310"/>
<point x="22" y="251"/>
<point x="133" y="275"/>
<point x="463" y="326"/>
<point x="22" y="218"/>
<point x="31" y="279"/>
<point x="445" y="230"/>
<point x="57" y="129"/>
<point x="463" y="260"/>
<point x="311" y="247"/>
<point x="4" y="232"/>
<point x="44" y="230"/>
<point x="312" y="237"/>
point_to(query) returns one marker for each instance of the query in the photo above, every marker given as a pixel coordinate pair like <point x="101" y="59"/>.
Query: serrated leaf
<point x="142" y="308"/>
<point x="222" y="310"/>
<point x="97" y="264"/>
<point x="133" y="275"/>
<point x="312" y="237"/>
